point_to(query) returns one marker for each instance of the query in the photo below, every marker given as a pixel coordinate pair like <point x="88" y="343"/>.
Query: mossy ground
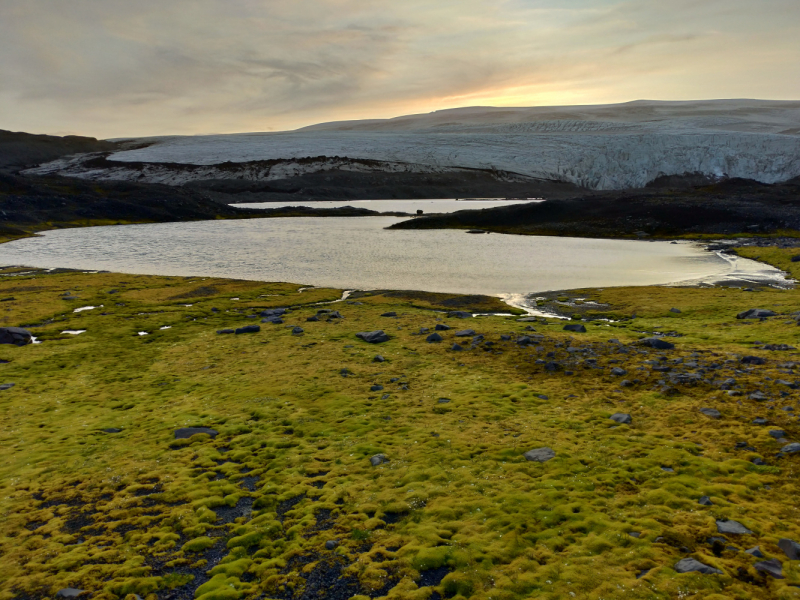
<point x="247" y="515"/>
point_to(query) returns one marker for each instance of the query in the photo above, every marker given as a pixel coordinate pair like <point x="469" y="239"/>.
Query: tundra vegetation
<point x="335" y="468"/>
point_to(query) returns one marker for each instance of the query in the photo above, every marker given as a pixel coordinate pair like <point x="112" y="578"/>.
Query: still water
<point x="358" y="253"/>
<point x="406" y="206"/>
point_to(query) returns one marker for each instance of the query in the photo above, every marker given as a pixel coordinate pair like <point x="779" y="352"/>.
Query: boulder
<point x="456" y="348"/>
<point x="297" y="330"/>
<point x="389" y="314"/>
<point x="331" y="544"/>
<point x="621" y="418"/>
<point x="753" y="360"/>
<point x="15" y="335"/>
<point x="434" y="338"/>
<point x="796" y="258"/>
<point x="772" y="567"/>
<point x="777" y="433"/>
<point x="705" y="501"/>
<point x="459" y="314"/>
<point x="618" y="372"/>
<point x="778" y="347"/>
<point x="756" y="313"/>
<point x="733" y="527"/>
<point x="677" y="311"/>
<point x="575" y="327"/>
<point x="755" y="551"/>
<point x="112" y="430"/>
<point x="442" y="327"/>
<point x="313" y="319"/>
<point x="443" y="400"/>
<point x="376" y="388"/>
<point x="273" y="312"/>
<point x="540" y="454"/>
<point x="711" y="412"/>
<point x="273" y="320"/>
<point x="378" y="359"/>
<point x="758" y="396"/>
<point x="792" y="448"/>
<point x="373" y="337"/>
<point x="760" y="421"/>
<point x="465" y="333"/>
<point x="689" y="565"/>
<point x="69" y="593"/>
<point x="248" y="329"/>
<point x="224" y="331"/>
<point x="378" y="459"/>
<point x="184" y="433"/>
<point x="790" y="548"/>
<point x="657" y="343"/>
<point x="6" y="386"/>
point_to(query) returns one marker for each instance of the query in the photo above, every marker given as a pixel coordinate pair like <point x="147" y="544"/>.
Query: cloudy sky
<point x="112" y="68"/>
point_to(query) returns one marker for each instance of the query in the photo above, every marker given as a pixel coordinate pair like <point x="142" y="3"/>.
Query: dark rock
<point x="459" y="314"/>
<point x="643" y="573"/>
<point x="442" y="327"/>
<point x="657" y="343"/>
<point x="668" y="469"/>
<point x="465" y="333"/>
<point x="790" y="548"/>
<point x="621" y="418"/>
<point x="334" y="314"/>
<point x="677" y="311"/>
<point x="69" y="593"/>
<point x="753" y="360"/>
<point x="112" y="430"/>
<point x="6" y="386"/>
<point x="297" y="330"/>
<point x="755" y="551"/>
<point x="378" y="459"/>
<point x="443" y="400"/>
<point x="575" y="327"/>
<point x="759" y="462"/>
<point x="15" y="335"/>
<point x="505" y="338"/>
<point x="758" y="396"/>
<point x="331" y="544"/>
<point x="689" y="565"/>
<point x="779" y="347"/>
<point x="376" y="388"/>
<point x="273" y="312"/>
<point x="184" y="433"/>
<point x="373" y="337"/>
<point x="434" y="338"/>
<point x="792" y="448"/>
<point x="249" y="329"/>
<point x="423" y="330"/>
<point x="772" y="567"/>
<point x="756" y="313"/>
<point x="626" y="383"/>
<point x="273" y="320"/>
<point x="711" y="412"/>
<point x="389" y="314"/>
<point x="796" y="258"/>
<point x="378" y="359"/>
<point x="705" y="501"/>
<point x="618" y="371"/>
<point x="777" y="433"/>
<point x="456" y="348"/>
<point x="313" y="319"/>
<point x="635" y="534"/>
<point x="224" y="331"/>
<point x="760" y="421"/>
<point x="732" y="527"/>
<point x="540" y="454"/>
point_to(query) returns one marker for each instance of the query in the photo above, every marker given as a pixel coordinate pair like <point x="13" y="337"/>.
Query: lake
<point x="406" y="206"/>
<point x="358" y="253"/>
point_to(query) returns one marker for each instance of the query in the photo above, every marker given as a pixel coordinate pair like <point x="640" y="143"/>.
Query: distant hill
<point x="19" y="150"/>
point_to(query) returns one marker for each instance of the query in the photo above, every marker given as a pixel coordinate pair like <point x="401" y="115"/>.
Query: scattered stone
<point x="6" y="386"/>
<point x="313" y="319"/>
<point x="69" y="593"/>
<point x="378" y="359"/>
<point x="777" y="433"/>
<point x="657" y="343"/>
<point x="297" y="330"/>
<point x="389" y="314"/>
<point x="249" y="329"/>
<point x="668" y="469"/>
<point x="711" y="412"/>
<point x="273" y="320"/>
<point x="376" y="388"/>
<point x="759" y="462"/>
<point x="778" y="347"/>
<point x="732" y="527"/>
<point x="755" y="551"/>
<point x="465" y="333"/>
<point x="643" y="573"/>
<point x="772" y="567"/>
<point x="753" y="360"/>
<point x="756" y="313"/>
<point x="442" y="327"/>
<point x="15" y="335"/>
<point x="792" y="448"/>
<point x="184" y="433"/>
<point x="542" y="397"/>
<point x="577" y="328"/>
<point x="527" y="320"/>
<point x="443" y="400"/>
<point x="635" y="534"/>
<point x="273" y="312"/>
<point x="378" y="459"/>
<point x="705" y="501"/>
<point x="618" y="371"/>
<point x="456" y="348"/>
<point x="796" y="258"/>
<point x="505" y="338"/>
<point x="758" y="396"/>
<point x="373" y="337"/>
<point x="540" y="454"/>
<point x="689" y="565"/>
<point x="790" y="548"/>
<point x="459" y="314"/>
<point x="760" y="421"/>
<point x="112" y="430"/>
<point x="622" y="418"/>
<point x="677" y="311"/>
<point x="225" y="331"/>
<point x="331" y="544"/>
<point x="434" y="338"/>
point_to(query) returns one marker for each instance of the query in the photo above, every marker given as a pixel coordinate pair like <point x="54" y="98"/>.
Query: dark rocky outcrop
<point x="689" y="565"/>
<point x="15" y="335"/>
<point x="373" y="337"/>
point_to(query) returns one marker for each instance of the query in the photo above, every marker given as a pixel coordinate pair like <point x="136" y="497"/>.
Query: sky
<point x="117" y="68"/>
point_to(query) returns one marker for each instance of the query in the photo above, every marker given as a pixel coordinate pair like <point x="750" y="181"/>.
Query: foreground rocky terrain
<point x="648" y="448"/>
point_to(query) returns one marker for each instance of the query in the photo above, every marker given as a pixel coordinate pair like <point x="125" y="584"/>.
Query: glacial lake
<point x="406" y="206"/>
<point x="358" y="253"/>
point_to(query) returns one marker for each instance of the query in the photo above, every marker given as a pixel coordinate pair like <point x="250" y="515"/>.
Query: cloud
<point x="121" y="68"/>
